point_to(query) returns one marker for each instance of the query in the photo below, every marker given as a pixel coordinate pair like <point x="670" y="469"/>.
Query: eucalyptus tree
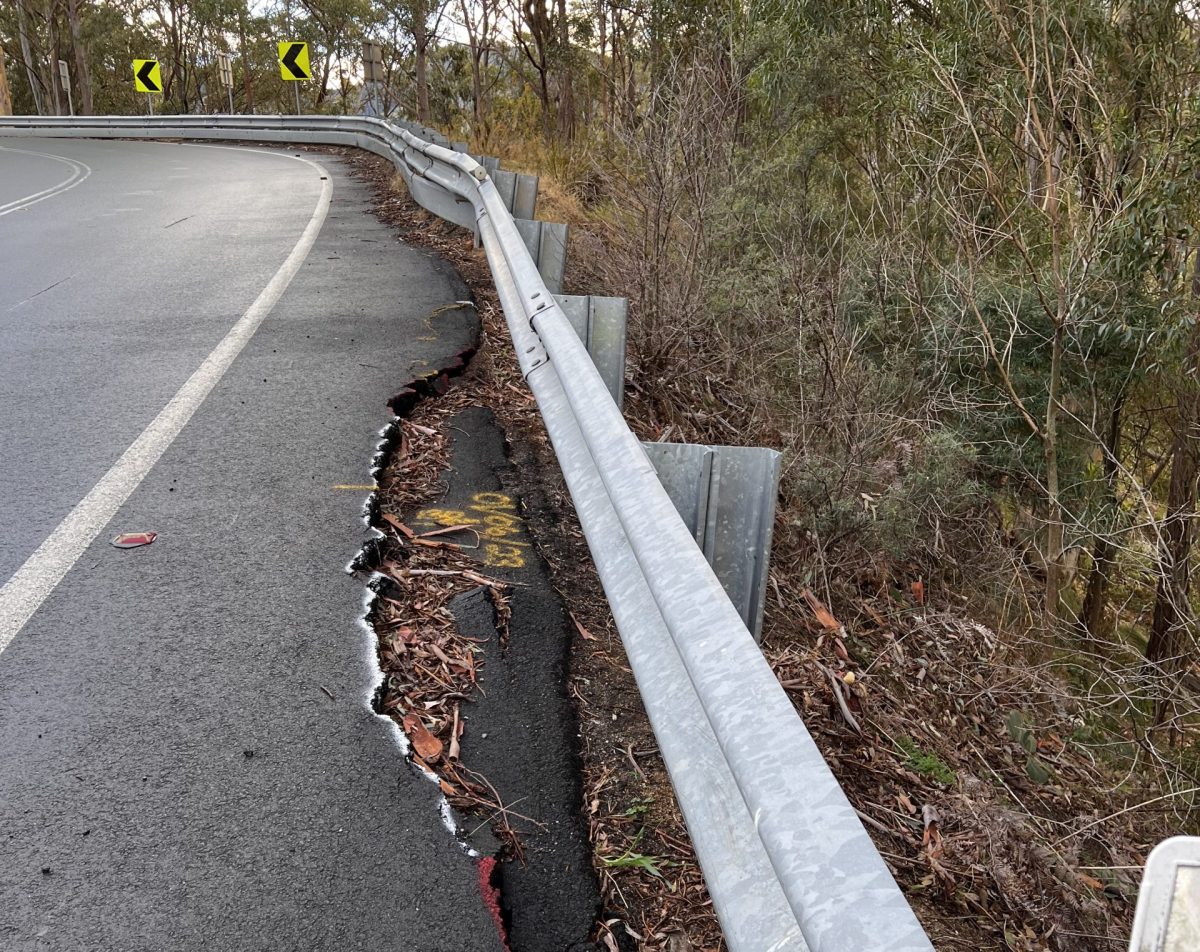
<point x="5" y="94"/>
<point x="480" y="21"/>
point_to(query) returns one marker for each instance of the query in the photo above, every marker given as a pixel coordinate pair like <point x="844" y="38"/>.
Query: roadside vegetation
<point x="945" y="257"/>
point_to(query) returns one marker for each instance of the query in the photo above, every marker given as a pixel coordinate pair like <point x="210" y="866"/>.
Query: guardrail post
<point x="517" y="191"/>
<point x="547" y="244"/>
<point x="726" y="497"/>
<point x="600" y="324"/>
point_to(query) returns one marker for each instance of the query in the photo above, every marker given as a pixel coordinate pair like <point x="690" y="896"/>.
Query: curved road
<point x="200" y="341"/>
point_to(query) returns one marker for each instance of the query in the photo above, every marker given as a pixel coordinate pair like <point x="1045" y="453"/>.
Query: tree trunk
<point x="537" y="19"/>
<point x="246" y="84"/>
<point x="629" y="68"/>
<point x="1054" y="511"/>
<point x="422" y="66"/>
<point x="544" y="96"/>
<point x="180" y="73"/>
<point x="1054" y="507"/>
<point x="6" y="106"/>
<point x="605" y="83"/>
<point x="566" y="111"/>
<point x="478" y="38"/>
<point x="36" y="86"/>
<point x="1095" y="601"/>
<point x="57" y="92"/>
<point x="477" y="94"/>
<point x="420" y="30"/>
<point x="325" y="67"/>
<point x="83" y="79"/>
<point x="343" y="85"/>
<point x="1167" y="646"/>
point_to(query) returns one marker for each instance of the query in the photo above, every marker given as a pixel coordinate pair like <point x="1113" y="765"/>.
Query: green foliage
<point x="1020" y="732"/>
<point x="1035" y="769"/>
<point x="927" y="764"/>
<point x="632" y="860"/>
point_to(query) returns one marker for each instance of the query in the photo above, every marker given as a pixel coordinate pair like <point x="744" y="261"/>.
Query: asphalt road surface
<point x="200" y="341"/>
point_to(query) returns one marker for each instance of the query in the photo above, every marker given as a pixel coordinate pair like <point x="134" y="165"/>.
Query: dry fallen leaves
<point x="583" y="632"/>
<point x="428" y="747"/>
<point x="822" y="614"/>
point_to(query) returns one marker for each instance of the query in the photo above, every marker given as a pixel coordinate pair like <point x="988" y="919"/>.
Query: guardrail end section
<point x="726" y="497"/>
<point x="600" y="323"/>
<point x="547" y="244"/>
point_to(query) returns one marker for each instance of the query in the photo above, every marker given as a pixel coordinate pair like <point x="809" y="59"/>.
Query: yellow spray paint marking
<point x="351" y="486"/>
<point x="445" y="517"/>
<point x="493" y="516"/>
<point x="503" y="556"/>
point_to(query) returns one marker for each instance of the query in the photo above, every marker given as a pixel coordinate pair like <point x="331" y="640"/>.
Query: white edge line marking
<point x="79" y="172"/>
<point x="44" y="569"/>
<point x="77" y="168"/>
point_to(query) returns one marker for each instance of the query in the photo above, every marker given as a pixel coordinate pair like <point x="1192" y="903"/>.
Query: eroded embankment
<point x="652" y="890"/>
<point x="471" y="643"/>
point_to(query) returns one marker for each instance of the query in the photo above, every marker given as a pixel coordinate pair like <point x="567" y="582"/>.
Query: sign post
<point x="372" y="78"/>
<point x="147" y="78"/>
<point x="225" y="68"/>
<point x="65" y="78"/>
<point x="293" y="65"/>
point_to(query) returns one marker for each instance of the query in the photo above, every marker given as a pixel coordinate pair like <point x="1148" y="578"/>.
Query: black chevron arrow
<point x="143" y="75"/>
<point x="289" y="60"/>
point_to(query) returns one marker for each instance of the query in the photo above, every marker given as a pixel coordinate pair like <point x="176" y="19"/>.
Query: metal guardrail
<point x="788" y="863"/>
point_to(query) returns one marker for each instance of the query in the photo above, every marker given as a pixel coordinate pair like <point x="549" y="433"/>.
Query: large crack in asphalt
<point x="500" y="629"/>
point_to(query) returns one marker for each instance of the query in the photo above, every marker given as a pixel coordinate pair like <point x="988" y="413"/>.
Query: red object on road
<point x="131" y="540"/>
<point x="491" y="896"/>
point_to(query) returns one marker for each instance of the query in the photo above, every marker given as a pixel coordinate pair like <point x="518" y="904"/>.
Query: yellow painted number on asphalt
<point x="494" y="517"/>
<point x="293" y="61"/>
<point x="503" y="556"/>
<point x="446" y="517"/>
<point x="147" y="78"/>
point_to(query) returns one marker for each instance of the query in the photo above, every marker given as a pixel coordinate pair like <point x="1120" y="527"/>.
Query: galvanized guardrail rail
<point x="786" y="859"/>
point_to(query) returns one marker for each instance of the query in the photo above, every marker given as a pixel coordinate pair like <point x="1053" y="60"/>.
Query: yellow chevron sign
<point x="146" y="76"/>
<point x="293" y="61"/>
